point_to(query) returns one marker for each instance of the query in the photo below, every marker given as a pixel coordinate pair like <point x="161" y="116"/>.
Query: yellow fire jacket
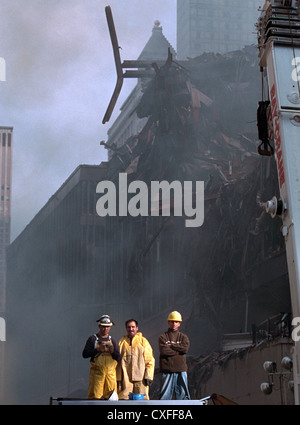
<point x="137" y="360"/>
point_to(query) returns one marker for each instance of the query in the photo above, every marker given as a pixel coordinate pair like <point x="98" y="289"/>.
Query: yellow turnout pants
<point x="102" y="379"/>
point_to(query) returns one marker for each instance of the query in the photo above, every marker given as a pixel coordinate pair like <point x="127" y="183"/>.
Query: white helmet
<point x="105" y="320"/>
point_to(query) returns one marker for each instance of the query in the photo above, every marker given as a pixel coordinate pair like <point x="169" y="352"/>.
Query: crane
<point x="279" y="121"/>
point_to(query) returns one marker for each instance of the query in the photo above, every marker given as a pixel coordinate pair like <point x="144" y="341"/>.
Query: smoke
<point x="60" y="75"/>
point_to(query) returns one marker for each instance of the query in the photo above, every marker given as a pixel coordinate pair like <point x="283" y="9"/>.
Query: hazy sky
<point x="60" y="76"/>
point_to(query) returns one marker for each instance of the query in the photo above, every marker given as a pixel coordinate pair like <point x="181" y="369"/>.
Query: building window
<point x="3" y="139"/>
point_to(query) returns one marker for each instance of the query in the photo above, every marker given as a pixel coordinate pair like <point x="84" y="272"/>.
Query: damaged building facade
<point x="70" y="265"/>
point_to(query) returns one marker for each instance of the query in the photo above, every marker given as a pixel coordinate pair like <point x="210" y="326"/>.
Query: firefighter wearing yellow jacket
<point x="135" y="371"/>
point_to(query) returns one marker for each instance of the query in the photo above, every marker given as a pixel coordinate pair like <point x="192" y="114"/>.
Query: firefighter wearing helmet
<point x="175" y="317"/>
<point x="104" y="354"/>
<point x="173" y="346"/>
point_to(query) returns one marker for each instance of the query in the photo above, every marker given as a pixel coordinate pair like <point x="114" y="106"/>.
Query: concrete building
<point x="217" y="26"/>
<point x="69" y="266"/>
<point x="6" y="142"/>
<point x="6" y="147"/>
<point x="55" y="285"/>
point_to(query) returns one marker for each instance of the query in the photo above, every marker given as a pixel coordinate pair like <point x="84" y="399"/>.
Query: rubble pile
<point x="201" y="125"/>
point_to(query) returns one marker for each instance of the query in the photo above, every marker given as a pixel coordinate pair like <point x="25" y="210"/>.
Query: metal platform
<point x="125" y="403"/>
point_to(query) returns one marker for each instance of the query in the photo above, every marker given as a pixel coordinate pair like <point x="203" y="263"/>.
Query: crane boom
<point x="279" y="51"/>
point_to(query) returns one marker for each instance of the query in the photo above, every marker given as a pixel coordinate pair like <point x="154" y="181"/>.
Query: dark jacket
<point x="90" y="347"/>
<point x="173" y="346"/>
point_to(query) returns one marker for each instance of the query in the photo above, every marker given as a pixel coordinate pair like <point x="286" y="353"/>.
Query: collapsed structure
<point x="201" y="125"/>
<point x="223" y="276"/>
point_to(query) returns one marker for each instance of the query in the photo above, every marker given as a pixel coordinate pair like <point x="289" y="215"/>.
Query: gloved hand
<point x="147" y="382"/>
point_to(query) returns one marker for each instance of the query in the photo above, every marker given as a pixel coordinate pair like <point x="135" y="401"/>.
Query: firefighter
<point x="135" y="371"/>
<point x="104" y="355"/>
<point x="173" y="346"/>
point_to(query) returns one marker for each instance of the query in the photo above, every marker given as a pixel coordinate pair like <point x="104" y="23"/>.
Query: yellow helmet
<point x="175" y="316"/>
